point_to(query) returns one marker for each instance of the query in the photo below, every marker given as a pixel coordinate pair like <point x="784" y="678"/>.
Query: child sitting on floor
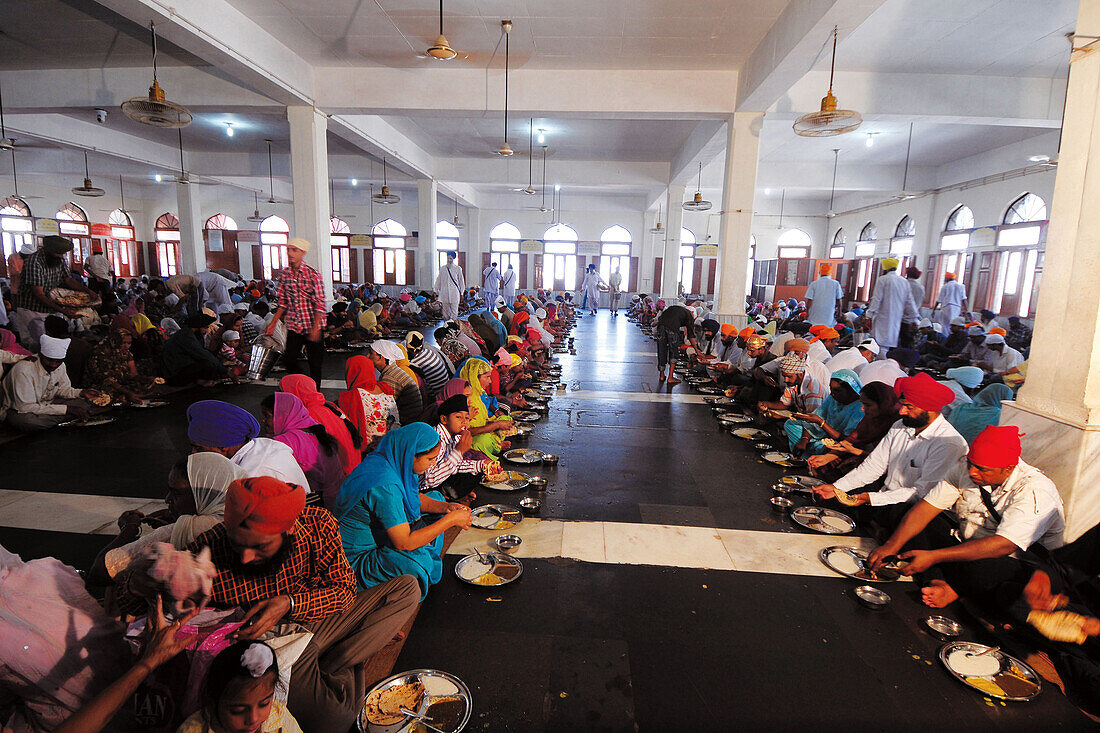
<point x="231" y="341"/>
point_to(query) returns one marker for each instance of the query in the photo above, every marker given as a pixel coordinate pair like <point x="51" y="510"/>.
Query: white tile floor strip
<point x="79" y="513"/>
<point x="667" y="397"/>
<point x="325" y="383"/>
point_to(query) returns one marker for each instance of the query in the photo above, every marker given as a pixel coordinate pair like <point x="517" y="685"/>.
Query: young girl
<point x="239" y="694"/>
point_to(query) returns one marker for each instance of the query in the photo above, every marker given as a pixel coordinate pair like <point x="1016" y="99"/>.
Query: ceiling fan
<point x="905" y="195"/>
<point x="456" y="222"/>
<point x="530" y="190"/>
<point x="658" y="228"/>
<point x="184" y="178"/>
<point x="832" y="189"/>
<point x="505" y="149"/>
<point x="829" y="120"/>
<point x="256" y="218"/>
<point x="154" y="109"/>
<point x="441" y="49"/>
<point x="332" y="205"/>
<point x="122" y="194"/>
<point x="87" y="189"/>
<point x="542" y="207"/>
<point x="698" y="203"/>
<point x="15" y="178"/>
<point x="385" y="197"/>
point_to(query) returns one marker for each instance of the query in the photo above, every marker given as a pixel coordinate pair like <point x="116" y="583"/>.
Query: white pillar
<point x="477" y="241"/>
<point x="670" y="265"/>
<point x="1059" y="405"/>
<point x="309" y="174"/>
<point x="738" y="193"/>
<point x="192" y="247"/>
<point x="426" y="256"/>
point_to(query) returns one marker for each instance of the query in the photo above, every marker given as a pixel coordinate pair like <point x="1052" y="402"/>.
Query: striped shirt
<point x="433" y="366"/>
<point x="302" y="293"/>
<point x="448" y="463"/>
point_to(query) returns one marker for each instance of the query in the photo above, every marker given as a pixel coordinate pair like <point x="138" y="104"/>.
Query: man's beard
<point x="916" y="422"/>
<point x="270" y="566"/>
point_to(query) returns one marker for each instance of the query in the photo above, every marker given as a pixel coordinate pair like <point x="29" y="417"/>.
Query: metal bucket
<point x="261" y="360"/>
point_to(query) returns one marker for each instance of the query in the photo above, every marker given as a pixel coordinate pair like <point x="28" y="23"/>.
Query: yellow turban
<point x="890" y="263"/>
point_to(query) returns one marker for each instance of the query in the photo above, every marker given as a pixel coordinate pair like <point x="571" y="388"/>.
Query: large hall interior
<point x="680" y="352"/>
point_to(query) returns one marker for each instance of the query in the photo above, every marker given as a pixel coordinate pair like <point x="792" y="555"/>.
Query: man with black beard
<point x="914" y="455"/>
<point x="43" y="271"/>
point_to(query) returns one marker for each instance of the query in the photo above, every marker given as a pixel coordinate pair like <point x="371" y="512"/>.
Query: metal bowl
<point x="507" y="543"/>
<point x="943" y="628"/>
<point x="781" y="504"/>
<point x="520" y="437"/>
<point x="530" y="506"/>
<point x="549" y="459"/>
<point x="538" y="483"/>
<point x="871" y="597"/>
<point x="781" y="489"/>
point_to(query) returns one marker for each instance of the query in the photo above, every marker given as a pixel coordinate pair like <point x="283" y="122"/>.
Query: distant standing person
<point x="822" y="297"/>
<point x="951" y="301"/>
<point x="591" y="288"/>
<point x="508" y="282"/>
<point x="492" y="284"/>
<point x="616" y="286"/>
<point x="450" y="284"/>
<point x="300" y="295"/>
<point x="912" y="277"/>
<point x="891" y="305"/>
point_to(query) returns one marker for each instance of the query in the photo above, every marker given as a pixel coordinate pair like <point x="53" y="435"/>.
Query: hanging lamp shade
<point x="87" y="189"/>
<point x="697" y="202"/>
<point x="441" y="49"/>
<point x="384" y="196"/>
<point x="505" y="150"/>
<point x="658" y="228"/>
<point x="828" y="121"/>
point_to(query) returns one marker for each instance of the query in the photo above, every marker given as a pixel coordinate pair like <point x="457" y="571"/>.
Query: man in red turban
<point x="1001" y="507"/>
<point x="914" y="455"/>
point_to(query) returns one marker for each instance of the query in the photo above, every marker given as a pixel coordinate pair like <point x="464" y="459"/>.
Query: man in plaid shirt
<point x="43" y="271"/>
<point x="301" y="307"/>
<point x="283" y="561"/>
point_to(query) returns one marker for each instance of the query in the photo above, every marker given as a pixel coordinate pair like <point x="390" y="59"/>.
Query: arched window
<point x="504" y="249"/>
<point x="794" y="244"/>
<point x="167" y="233"/>
<point x="340" y="243"/>
<point x="865" y="247"/>
<point x="118" y="245"/>
<point x="446" y="240"/>
<point x="167" y="220"/>
<point x="274" y="234"/>
<point x="71" y="212"/>
<point x="902" y="242"/>
<point x="72" y="221"/>
<point x="961" y="218"/>
<point x="615" y="245"/>
<point x="389" y="253"/>
<point x="836" y="250"/>
<point x="119" y="218"/>
<point x="16" y="225"/>
<point x="1027" y="208"/>
<point x="687" y="260"/>
<point x="221" y="221"/>
<point x="559" y="259"/>
<point x="273" y="229"/>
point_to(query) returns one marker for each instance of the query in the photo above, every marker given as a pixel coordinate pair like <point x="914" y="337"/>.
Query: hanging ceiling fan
<point x="441" y="49"/>
<point x="87" y="189"/>
<point x="6" y="143"/>
<point x="832" y="189"/>
<point x="829" y="120"/>
<point x="256" y="218"/>
<point x="385" y="197"/>
<point x="782" y="205"/>
<point x="15" y="178"/>
<point x="456" y="222"/>
<point x="542" y="207"/>
<point x="905" y="194"/>
<point x="122" y="194"/>
<point x="332" y="205"/>
<point x="271" y="179"/>
<point x="530" y="190"/>
<point x="505" y="149"/>
<point x="184" y="178"/>
<point x="698" y="203"/>
<point x="154" y="109"/>
<point x="658" y="228"/>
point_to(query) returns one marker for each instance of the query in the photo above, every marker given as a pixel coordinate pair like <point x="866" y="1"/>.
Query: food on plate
<point x="970" y="664"/>
<point x="471" y="570"/>
<point x="487" y="579"/>
<point x="836" y="523"/>
<point x="100" y="400"/>
<point x="497" y="477"/>
<point x="446" y="713"/>
<point x="845" y="563"/>
<point x="158" y="380"/>
<point x="438" y="686"/>
<point x="1015" y="684"/>
<point x="383" y="707"/>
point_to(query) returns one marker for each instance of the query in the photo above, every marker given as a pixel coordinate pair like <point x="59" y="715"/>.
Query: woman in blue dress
<point x="381" y="511"/>
<point x="837" y="417"/>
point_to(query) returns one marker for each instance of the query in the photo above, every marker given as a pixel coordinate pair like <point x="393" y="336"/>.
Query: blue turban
<point x="218" y="424"/>
<point x="420" y="299"/>
<point x="906" y="357"/>
<point x="235" y="298"/>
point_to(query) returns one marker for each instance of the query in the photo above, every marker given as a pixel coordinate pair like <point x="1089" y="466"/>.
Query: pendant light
<point x="456" y="222"/>
<point x="371" y="200"/>
<point x="385" y="197"/>
<point x="256" y="218"/>
<point x="829" y="121"/>
<point x="441" y="50"/>
<point x="658" y="228"/>
<point x="88" y="189"/>
<point x="698" y="203"/>
<point x="505" y="149"/>
<point x="530" y="190"/>
<point x="832" y="189"/>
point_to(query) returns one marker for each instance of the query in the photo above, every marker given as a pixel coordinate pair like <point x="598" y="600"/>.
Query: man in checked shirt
<point x="280" y="560"/>
<point x="300" y="296"/>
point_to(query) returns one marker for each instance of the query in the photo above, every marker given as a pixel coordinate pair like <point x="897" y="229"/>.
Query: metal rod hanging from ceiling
<point x="908" y="147"/>
<point x="832" y="189"/>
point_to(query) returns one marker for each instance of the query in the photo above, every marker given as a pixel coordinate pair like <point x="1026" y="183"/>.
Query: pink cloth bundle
<point x="187" y="580"/>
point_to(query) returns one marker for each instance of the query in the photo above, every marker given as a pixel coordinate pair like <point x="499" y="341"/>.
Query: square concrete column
<point x="670" y="264"/>
<point x="738" y="193"/>
<point x="475" y="242"/>
<point x="192" y="246"/>
<point x="1059" y="405"/>
<point x="426" y="193"/>
<point x="309" y="174"/>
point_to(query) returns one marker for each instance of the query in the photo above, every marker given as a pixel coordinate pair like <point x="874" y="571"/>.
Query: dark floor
<point x="585" y="646"/>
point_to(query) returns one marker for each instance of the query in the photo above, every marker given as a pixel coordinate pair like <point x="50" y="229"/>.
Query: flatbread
<point x="845" y="498"/>
<point x="1060" y="625"/>
<point x="383" y="707"/>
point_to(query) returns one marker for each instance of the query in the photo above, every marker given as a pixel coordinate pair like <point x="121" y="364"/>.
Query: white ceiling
<point x="565" y="34"/>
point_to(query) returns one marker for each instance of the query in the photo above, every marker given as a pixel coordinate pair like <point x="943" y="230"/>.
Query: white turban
<point x="171" y="299"/>
<point x="53" y="348"/>
<point x="388" y="350"/>
<point x="230" y="336"/>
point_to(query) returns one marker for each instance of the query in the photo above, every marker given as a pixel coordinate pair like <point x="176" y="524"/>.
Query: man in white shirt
<point x="823" y="346"/>
<point x="912" y="279"/>
<point x="1002" y="357"/>
<point x="951" y="300"/>
<point x="37" y="394"/>
<point x="915" y="454"/>
<point x="891" y="305"/>
<point x="508" y="283"/>
<point x="1001" y="507"/>
<point x="216" y="287"/>
<point x="450" y="284"/>
<point x="491" y="283"/>
<point x="822" y="297"/>
<point x="854" y="358"/>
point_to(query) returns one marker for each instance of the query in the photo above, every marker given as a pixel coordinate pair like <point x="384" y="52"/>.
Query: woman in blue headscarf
<point x="838" y="415"/>
<point x="380" y="510"/>
<point x="985" y="410"/>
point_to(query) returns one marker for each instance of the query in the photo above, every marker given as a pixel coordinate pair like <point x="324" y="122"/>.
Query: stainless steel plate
<point x="516" y="481"/>
<point x="94" y="422"/>
<point x="506" y="570"/>
<point x="813" y="517"/>
<point x="829" y="557"/>
<point x="1025" y="682"/>
<point x="525" y="415"/>
<point x="432" y="679"/>
<point x="148" y="404"/>
<point x="709" y="389"/>
<point x="805" y="482"/>
<point x="750" y="433"/>
<point x="522" y="455"/>
<point x="495" y="516"/>
<point x="780" y="458"/>
<point x="734" y="419"/>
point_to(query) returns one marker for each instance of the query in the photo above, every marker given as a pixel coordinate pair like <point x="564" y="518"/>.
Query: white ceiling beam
<point x="792" y="45"/>
<point x="379" y="138"/>
<point x="706" y="142"/>
<point x="818" y="176"/>
<point x="491" y="170"/>
<point x="216" y="31"/>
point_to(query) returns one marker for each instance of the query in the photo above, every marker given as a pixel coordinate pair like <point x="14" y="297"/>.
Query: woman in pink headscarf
<point x="286" y="420"/>
<point x="348" y="437"/>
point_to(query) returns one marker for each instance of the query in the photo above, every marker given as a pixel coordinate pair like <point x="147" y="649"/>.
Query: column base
<point x="1067" y="453"/>
<point x="738" y="319"/>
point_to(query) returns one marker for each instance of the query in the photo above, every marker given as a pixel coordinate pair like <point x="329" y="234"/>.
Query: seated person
<point x="385" y="356"/>
<point x="740" y="373"/>
<point x="286" y="420"/>
<point x="450" y="346"/>
<point x="239" y="693"/>
<point x="1003" y="358"/>
<point x="975" y="352"/>
<point x="887" y="371"/>
<point x="838" y="416"/>
<point x="36" y="394"/>
<point x="802" y="390"/>
<point x="380" y="510"/>
<point x="452" y="474"/>
<point x="429" y="362"/>
<point x="880" y="412"/>
<point x="965" y="382"/>
<point x="186" y="360"/>
<point x="916" y="453"/>
<point x="936" y="355"/>
<point x="485" y="425"/>
<point x="971" y="419"/>
<point x="855" y="357"/>
<point x="330" y="416"/>
<point x="1018" y="335"/>
<point x="279" y="559"/>
<point x="229" y="352"/>
<point x="1000" y="507"/>
<point x="339" y="327"/>
<point x="219" y="427"/>
<point x="368" y="404"/>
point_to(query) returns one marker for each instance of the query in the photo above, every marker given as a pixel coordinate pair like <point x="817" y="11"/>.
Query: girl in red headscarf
<point x="369" y="404"/>
<point x="335" y="422"/>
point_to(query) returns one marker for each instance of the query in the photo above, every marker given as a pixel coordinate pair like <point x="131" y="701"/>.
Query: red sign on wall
<point x="101" y="230"/>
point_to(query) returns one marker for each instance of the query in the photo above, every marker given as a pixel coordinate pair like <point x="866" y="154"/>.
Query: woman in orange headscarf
<point x="348" y="438"/>
<point x="367" y="403"/>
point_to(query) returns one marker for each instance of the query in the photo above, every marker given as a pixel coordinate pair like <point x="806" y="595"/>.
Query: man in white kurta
<point x="912" y="278"/>
<point x="591" y="288"/>
<point x="951" y="300"/>
<point x="822" y="297"/>
<point x="450" y="284"/>
<point x="216" y="287"/>
<point x="891" y="305"/>
<point x="508" y="282"/>
<point x="491" y="283"/>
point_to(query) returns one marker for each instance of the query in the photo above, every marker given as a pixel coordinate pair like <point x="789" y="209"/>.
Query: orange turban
<point x="828" y="333"/>
<point x="824" y="268"/>
<point x="998" y="446"/>
<point x="948" y="276"/>
<point x="802" y="346"/>
<point x="998" y="330"/>
<point x="728" y="329"/>
<point x="746" y="332"/>
<point x="816" y="329"/>
<point x="263" y="504"/>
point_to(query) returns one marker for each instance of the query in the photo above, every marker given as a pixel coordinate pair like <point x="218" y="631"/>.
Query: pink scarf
<point x="8" y="343"/>
<point x="290" y="421"/>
